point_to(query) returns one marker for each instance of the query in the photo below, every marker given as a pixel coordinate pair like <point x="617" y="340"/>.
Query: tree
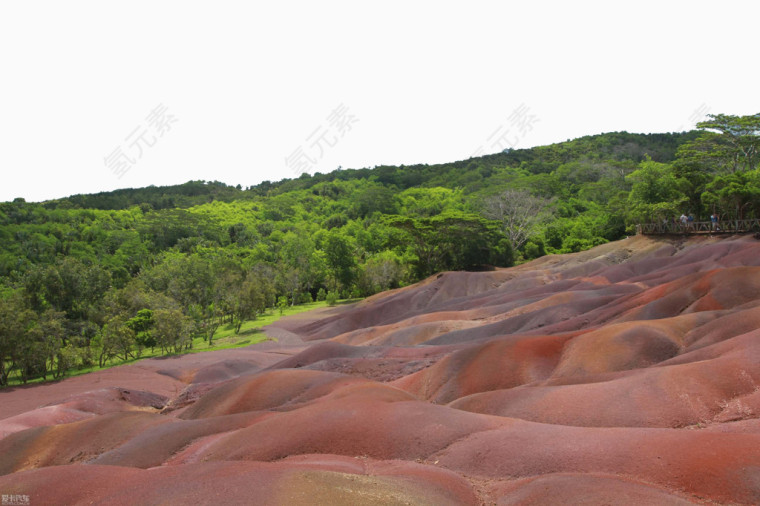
<point x="301" y="267"/>
<point x="228" y="278"/>
<point x="694" y="174"/>
<point x="61" y="356"/>
<point x="737" y="142"/>
<point x="118" y="337"/>
<point x="734" y="194"/>
<point x="340" y="258"/>
<point x="186" y="278"/>
<point x="34" y="351"/>
<point x="40" y="346"/>
<point x="453" y="241"/>
<point x="374" y="198"/>
<point x="290" y="281"/>
<point x="15" y="318"/>
<point x="381" y="272"/>
<point x="141" y="324"/>
<point x="656" y="193"/>
<point x="72" y="287"/>
<point x="282" y="304"/>
<point x="520" y="214"/>
<point x="207" y="319"/>
<point x="172" y="329"/>
<point x="251" y="299"/>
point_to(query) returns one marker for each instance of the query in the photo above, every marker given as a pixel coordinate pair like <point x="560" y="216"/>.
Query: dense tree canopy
<point x="92" y="277"/>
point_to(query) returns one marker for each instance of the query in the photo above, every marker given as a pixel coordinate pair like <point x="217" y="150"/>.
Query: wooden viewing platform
<point x="700" y="227"/>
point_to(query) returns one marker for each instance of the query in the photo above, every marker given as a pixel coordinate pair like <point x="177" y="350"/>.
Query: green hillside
<point x="89" y="278"/>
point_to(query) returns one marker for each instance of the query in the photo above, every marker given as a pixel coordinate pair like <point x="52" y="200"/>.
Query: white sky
<point x="426" y="82"/>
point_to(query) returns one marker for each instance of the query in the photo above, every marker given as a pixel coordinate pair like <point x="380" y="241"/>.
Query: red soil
<point x="627" y="374"/>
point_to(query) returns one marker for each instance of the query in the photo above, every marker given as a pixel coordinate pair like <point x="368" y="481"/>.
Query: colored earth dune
<point x="627" y="374"/>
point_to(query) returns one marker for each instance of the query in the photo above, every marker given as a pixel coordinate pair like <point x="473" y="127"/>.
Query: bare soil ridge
<point x="626" y="374"/>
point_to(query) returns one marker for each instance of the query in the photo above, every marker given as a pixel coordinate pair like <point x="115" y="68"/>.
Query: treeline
<point x="184" y="195"/>
<point x="82" y="286"/>
<point x="92" y="277"/>
<point x="716" y="173"/>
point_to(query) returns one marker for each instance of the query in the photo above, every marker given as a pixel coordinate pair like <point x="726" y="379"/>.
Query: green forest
<point x="94" y="279"/>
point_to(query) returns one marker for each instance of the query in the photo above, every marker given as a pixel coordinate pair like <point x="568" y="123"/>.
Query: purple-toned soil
<point x="627" y="374"/>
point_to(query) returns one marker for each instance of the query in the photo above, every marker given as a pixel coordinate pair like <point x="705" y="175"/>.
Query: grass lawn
<point x="224" y="338"/>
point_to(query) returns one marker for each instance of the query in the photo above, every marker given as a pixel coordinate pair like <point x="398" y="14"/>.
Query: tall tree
<point x="298" y="269"/>
<point x="656" y="193"/>
<point x="734" y="194"/>
<point x="520" y="213"/>
<point x="452" y="242"/>
<point x="15" y="318"/>
<point x="117" y="338"/>
<point x="727" y="144"/>
<point x="251" y="300"/>
<point x="340" y="257"/>
<point x="738" y="142"/>
<point x="172" y="329"/>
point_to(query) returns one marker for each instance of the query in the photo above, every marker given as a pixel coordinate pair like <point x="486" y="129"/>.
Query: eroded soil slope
<point x="627" y="374"/>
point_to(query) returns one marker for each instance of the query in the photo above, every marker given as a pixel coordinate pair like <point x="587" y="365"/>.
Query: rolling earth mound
<point x="626" y="374"/>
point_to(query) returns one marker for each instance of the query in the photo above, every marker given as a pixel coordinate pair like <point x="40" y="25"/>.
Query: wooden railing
<point x="700" y="227"/>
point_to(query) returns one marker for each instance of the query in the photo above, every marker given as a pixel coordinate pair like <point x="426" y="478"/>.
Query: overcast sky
<point x="102" y="95"/>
